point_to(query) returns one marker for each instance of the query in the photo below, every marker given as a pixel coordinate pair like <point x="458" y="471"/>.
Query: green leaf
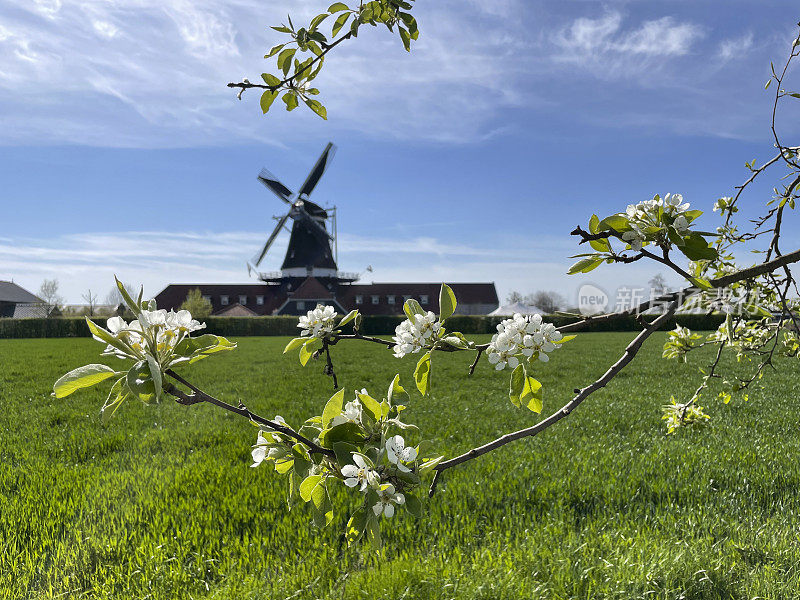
<point x="348" y="317"/>
<point x="119" y="393"/>
<point x="82" y="377"/>
<point x="290" y="99"/>
<point x="105" y="336"/>
<point x="282" y="29"/>
<point x="411" y="307"/>
<point x="344" y="453"/>
<point x="356" y="525"/>
<point x="397" y="393"/>
<point x="447" y="302"/>
<point x="308" y="486"/>
<point x="406" y="37"/>
<point x="697" y="248"/>
<point x="155" y="373"/>
<point x="273" y="51"/>
<point x="422" y="374"/>
<point x="372" y="405"/>
<point x="140" y="382"/>
<point x="617" y="222"/>
<point x="267" y="98"/>
<point x="525" y="390"/>
<point x="585" y="265"/>
<point x="285" y="59"/>
<point x="532" y="395"/>
<point x="295" y="343"/>
<point x="317" y="107"/>
<point x="340" y="22"/>
<point x="337" y="7"/>
<point x="691" y="215"/>
<point x="332" y="408"/>
<point x="516" y="384"/>
<point x="308" y="349"/>
<point x="270" y="79"/>
<point x="135" y="308"/>
<point x="703" y="284"/>
<point x="414" y="506"/>
<point x="430" y="463"/>
<point x="344" y="432"/>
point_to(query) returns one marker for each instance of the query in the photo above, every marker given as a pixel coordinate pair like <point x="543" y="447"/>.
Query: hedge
<point x="287" y="326"/>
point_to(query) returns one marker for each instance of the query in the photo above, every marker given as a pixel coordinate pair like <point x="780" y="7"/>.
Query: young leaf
<point x="332" y="408"/>
<point x="337" y="7"/>
<point x="414" y="506"/>
<point x="267" y="98"/>
<point x="397" y="392"/>
<point x="348" y="317"/>
<point x="356" y="525"/>
<point x="81" y="377"/>
<point x="411" y="307"/>
<point x="290" y="99"/>
<point x="308" y="486"/>
<point x="317" y="107"/>
<point x="341" y="20"/>
<point x="307" y="350"/>
<point x="447" y="302"/>
<point x="422" y="374"/>
<point x="295" y="343"/>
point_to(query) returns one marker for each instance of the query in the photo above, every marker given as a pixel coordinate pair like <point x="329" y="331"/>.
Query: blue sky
<point x="471" y="159"/>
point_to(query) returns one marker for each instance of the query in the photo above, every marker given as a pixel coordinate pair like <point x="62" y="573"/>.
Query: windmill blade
<point x="260" y="256"/>
<point x="271" y="182"/>
<point x="316" y="173"/>
<point x="301" y="215"/>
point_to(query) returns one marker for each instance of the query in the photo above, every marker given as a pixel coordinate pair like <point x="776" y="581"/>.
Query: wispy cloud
<point x="154" y="259"/>
<point x="608" y="49"/>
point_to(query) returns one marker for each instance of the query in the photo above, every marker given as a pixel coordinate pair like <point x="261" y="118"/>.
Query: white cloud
<point x="603" y="46"/>
<point x="154" y="259"/>
<point x="735" y="47"/>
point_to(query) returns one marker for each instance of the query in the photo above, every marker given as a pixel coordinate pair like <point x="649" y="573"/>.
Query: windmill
<point x="309" y="252"/>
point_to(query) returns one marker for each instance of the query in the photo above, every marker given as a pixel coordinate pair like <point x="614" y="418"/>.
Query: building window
<point x="359" y="299"/>
<point x="207" y="298"/>
<point x="376" y="299"/>
<point x="423" y="299"/>
<point x="406" y="298"/>
<point x="390" y="299"/>
<point x="223" y="300"/>
<point x="260" y="300"/>
<point x="301" y="305"/>
<point x="242" y="300"/>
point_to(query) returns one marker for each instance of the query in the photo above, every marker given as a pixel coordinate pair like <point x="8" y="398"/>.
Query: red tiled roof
<point x="312" y="289"/>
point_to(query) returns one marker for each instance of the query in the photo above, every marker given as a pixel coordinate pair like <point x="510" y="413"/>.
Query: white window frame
<point x="359" y="299"/>
<point x="301" y="304"/>
<point x="260" y="300"/>
<point x="423" y="299"/>
<point x="242" y="296"/>
<point x="224" y="300"/>
<point x="376" y="299"/>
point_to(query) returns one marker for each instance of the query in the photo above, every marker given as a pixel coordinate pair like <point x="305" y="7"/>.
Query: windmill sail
<point x="309" y="250"/>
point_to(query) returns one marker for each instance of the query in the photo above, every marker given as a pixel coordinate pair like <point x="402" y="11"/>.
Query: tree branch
<point x="199" y="395"/>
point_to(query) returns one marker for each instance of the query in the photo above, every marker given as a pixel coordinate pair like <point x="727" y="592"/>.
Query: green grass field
<point x="162" y="503"/>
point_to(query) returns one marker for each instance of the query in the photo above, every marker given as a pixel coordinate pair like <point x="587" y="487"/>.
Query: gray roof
<point x="30" y="311"/>
<point x="11" y="292"/>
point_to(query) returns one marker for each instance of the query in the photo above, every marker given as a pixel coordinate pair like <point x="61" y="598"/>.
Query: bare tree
<point x="48" y="292"/>
<point x="658" y="285"/>
<point x="91" y="301"/>
<point x="548" y="301"/>
<point x="514" y="297"/>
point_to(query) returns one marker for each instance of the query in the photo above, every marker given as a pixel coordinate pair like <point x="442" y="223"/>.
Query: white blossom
<point x="359" y="474"/>
<point x="522" y="335"/>
<point x="182" y="321"/>
<point x="414" y="334"/>
<point x="398" y="453"/>
<point x="387" y="498"/>
<point x="351" y="413"/>
<point x="318" y="322"/>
